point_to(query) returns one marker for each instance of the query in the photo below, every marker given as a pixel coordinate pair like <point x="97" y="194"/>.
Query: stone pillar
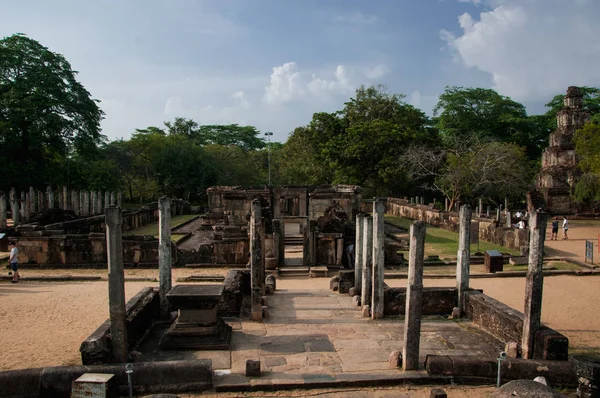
<point x="27" y="206"/>
<point x="480" y="212"/>
<point x="339" y="251"/>
<point x="278" y="242"/>
<point x="65" y="197"/>
<point x="377" y="294"/>
<point x="508" y="219"/>
<point x="365" y="290"/>
<point x="106" y="200"/>
<point x="505" y="204"/>
<point x="463" y="257"/>
<point x="488" y="211"/>
<point x="94" y="202"/>
<point x="312" y="244"/>
<point x="3" y="217"/>
<point x="116" y="285"/>
<point x="255" y="262"/>
<point x="50" y="197"/>
<point x="23" y="207"/>
<point x="86" y="203"/>
<point x="358" y="253"/>
<point x="76" y="202"/>
<point x="534" y="283"/>
<point x="417" y="200"/>
<point x="14" y="206"/>
<point x="446" y="204"/>
<point x="32" y="199"/>
<point x="113" y="199"/>
<point x="305" y="245"/>
<point x="164" y="254"/>
<point x="99" y="204"/>
<point x="498" y="215"/>
<point x="412" y="200"/>
<point x="422" y="200"/>
<point x="414" y="297"/>
<point x="41" y="207"/>
<point x="119" y="198"/>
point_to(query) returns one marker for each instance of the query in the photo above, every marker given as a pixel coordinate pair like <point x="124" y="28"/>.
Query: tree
<point x="471" y="168"/>
<point x="465" y="112"/>
<point x="587" y="142"/>
<point x="44" y="113"/>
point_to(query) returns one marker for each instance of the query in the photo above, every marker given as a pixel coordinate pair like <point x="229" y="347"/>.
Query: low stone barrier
<point x="141" y="311"/>
<point x="489" y="231"/>
<point x="436" y="301"/>
<point x="506" y="324"/>
<point x="475" y="370"/>
<point x="148" y="378"/>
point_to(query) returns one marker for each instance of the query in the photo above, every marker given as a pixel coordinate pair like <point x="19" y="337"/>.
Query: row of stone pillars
<point x="369" y="261"/>
<point x="116" y="278"/>
<point x="369" y="275"/>
<point x="82" y="203"/>
<point x="479" y="210"/>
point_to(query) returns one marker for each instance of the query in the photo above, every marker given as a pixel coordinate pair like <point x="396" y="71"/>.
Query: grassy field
<point x="445" y="243"/>
<point x="152" y="229"/>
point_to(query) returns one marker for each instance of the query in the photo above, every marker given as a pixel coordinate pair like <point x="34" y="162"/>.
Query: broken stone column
<point x="255" y="262"/>
<point x="534" y="283"/>
<point x="50" y="197"/>
<point x="113" y="199"/>
<point x="446" y="204"/>
<point x="480" y="212"/>
<point x="278" y="242"/>
<point x="76" y="202"/>
<point x="498" y="215"/>
<point x="377" y="295"/>
<point x="414" y="297"/>
<point x="508" y="219"/>
<point x="422" y="200"/>
<point x="116" y="285"/>
<point x="3" y="216"/>
<point x="366" y="288"/>
<point x="463" y="257"/>
<point x="41" y="207"/>
<point x="32" y="200"/>
<point x="312" y="244"/>
<point x="164" y="254"/>
<point x="119" y="198"/>
<point x="65" y="198"/>
<point x="358" y="253"/>
<point x="106" y="200"/>
<point x="14" y="206"/>
<point x="417" y="200"/>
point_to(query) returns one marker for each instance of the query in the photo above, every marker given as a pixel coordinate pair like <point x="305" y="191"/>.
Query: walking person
<point x="13" y="260"/>
<point x="565" y="228"/>
<point x="554" y="229"/>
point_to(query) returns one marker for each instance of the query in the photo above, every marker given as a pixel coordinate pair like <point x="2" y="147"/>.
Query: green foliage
<point x="587" y="188"/>
<point x="45" y="113"/>
<point x="591" y="104"/>
<point x="587" y="145"/>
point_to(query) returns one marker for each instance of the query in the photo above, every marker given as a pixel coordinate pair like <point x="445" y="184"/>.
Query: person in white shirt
<point x="13" y="260"/>
<point x="521" y="224"/>
<point x="565" y="228"/>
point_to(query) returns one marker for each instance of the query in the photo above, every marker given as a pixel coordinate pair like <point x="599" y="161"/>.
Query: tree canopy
<point x="45" y="113"/>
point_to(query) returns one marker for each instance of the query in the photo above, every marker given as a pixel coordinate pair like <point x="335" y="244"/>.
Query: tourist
<point x="565" y="228"/>
<point x="554" y="229"/>
<point x="521" y="224"/>
<point x="519" y="215"/>
<point x="14" y="261"/>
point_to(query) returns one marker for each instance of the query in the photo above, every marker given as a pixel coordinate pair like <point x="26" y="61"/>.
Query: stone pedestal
<point x="493" y="261"/>
<point x="588" y="375"/>
<point x="197" y="327"/>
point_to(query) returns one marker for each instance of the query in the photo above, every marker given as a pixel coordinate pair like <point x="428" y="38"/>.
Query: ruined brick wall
<point x="511" y="238"/>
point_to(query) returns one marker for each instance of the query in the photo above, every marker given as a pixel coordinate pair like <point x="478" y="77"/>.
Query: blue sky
<point x="273" y="63"/>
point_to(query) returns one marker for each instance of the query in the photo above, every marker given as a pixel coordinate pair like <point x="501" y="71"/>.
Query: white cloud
<point x="531" y="49"/>
<point x="376" y="72"/>
<point x="173" y="106"/>
<point x="357" y="19"/>
<point x="284" y="86"/>
<point x="240" y="99"/>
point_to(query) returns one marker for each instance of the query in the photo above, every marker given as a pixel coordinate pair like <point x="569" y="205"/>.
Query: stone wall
<point x="506" y="324"/>
<point x="85" y="251"/>
<point x="436" y="301"/>
<point x="489" y="231"/>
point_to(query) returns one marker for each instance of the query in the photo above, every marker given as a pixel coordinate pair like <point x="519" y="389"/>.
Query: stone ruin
<point x="559" y="173"/>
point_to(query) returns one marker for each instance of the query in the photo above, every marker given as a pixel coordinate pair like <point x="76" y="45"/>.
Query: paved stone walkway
<point x="317" y="336"/>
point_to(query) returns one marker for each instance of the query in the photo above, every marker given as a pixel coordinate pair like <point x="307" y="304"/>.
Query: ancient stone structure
<point x="164" y="254"/>
<point x="559" y="172"/>
<point x="463" y="257"/>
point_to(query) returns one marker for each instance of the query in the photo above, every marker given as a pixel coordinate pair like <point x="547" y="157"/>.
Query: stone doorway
<point x="293" y="263"/>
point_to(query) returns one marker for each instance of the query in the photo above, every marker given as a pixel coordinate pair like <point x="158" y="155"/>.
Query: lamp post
<point x="268" y="135"/>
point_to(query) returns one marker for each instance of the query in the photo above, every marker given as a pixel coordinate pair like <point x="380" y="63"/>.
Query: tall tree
<point x="587" y="142"/>
<point x="44" y="112"/>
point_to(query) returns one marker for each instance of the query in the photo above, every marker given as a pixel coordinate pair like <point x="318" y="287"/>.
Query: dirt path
<point x="579" y="232"/>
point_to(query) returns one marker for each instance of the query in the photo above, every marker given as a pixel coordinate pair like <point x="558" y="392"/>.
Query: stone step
<point x="319" y="272"/>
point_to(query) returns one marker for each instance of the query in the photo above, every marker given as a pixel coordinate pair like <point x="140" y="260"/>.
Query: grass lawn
<point x="445" y="243"/>
<point x="152" y="229"/>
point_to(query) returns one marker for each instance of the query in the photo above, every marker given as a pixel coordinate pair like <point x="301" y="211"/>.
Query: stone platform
<point x="316" y="337"/>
